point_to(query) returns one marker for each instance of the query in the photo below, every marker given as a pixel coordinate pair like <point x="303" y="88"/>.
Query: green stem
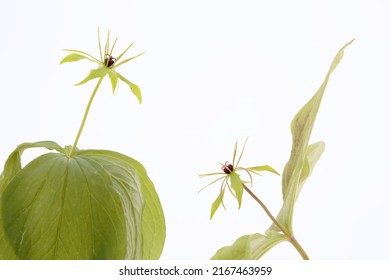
<point x="299" y="248"/>
<point x="85" y="116"/>
<point x="291" y="237"/>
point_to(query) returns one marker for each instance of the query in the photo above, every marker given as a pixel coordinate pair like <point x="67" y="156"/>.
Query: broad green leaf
<point x="11" y="168"/>
<point x="302" y="159"/>
<point x="314" y="152"/>
<point x="153" y="221"/>
<point x="13" y="163"/>
<point x="236" y="185"/>
<point x="95" y="73"/>
<point x="113" y="78"/>
<point x="95" y="205"/>
<point x="250" y="247"/>
<point x="217" y="203"/>
<point x="60" y="208"/>
<point x="133" y="87"/>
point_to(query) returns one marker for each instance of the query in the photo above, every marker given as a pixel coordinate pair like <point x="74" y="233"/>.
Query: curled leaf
<point x="303" y="156"/>
<point x="13" y="164"/>
<point x="249" y="247"/>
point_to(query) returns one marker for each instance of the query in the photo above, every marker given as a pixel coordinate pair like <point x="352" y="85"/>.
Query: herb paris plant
<point x="303" y="159"/>
<point x="106" y="66"/>
<point x="80" y="204"/>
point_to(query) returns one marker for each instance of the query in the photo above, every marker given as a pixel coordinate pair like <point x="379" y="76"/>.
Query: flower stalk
<point x="85" y="116"/>
<point x="291" y="237"/>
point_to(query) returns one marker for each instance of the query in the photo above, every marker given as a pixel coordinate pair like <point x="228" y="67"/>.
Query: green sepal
<point x="77" y="55"/>
<point x="262" y="168"/>
<point x="215" y="205"/>
<point x="74" y="57"/>
<point x="236" y="185"/>
<point x="133" y="87"/>
<point x="95" y="73"/>
<point x="113" y="79"/>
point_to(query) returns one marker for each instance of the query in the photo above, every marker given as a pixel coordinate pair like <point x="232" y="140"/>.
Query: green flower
<point x="107" y="65"/>
<point x="231" y="179"/>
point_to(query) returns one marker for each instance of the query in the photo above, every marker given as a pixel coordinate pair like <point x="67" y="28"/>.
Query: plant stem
<point x="266" y="210"/>
<point x="85" y="116"/>
<point x="291" y="237"/>
<point x="299" y="248"/>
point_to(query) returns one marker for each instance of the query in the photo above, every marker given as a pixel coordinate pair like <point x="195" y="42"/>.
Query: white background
<point x="216" y="72"/>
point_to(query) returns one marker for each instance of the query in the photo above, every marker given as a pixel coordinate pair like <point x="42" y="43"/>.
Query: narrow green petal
<point x="211" y="174"/>
<point x="242" y="151"/>
<point x="107" y="46"/>
<point x="234" y="154"/>
<point x="133" y="87"/>
<point x="128" y="59"/>
<point x="100" y="45"/>
<point x="216" y="180"/>
<point x="119" y="56"/>
<point x="113" y="45"/>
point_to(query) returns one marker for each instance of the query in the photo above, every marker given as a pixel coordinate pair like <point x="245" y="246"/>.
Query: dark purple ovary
<point x="109" y="61"/>
<point x="227" y="168"/>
